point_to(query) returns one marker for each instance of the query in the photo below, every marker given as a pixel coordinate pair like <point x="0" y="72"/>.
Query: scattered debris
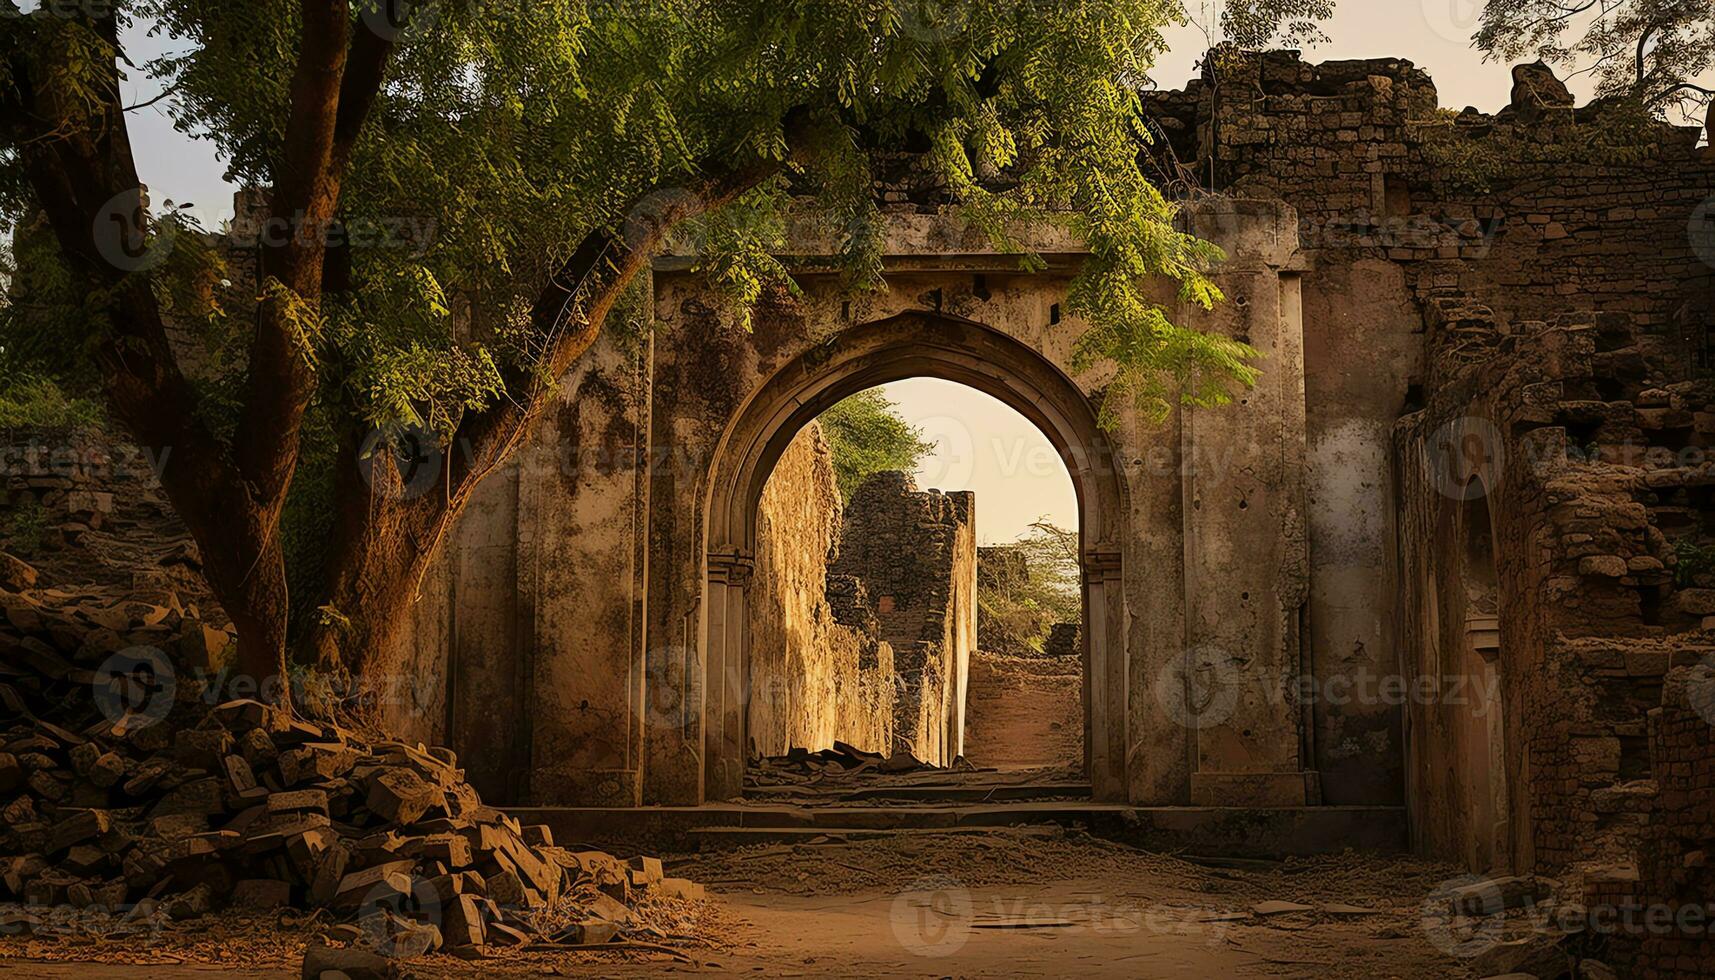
<point x="844" y="774"/>
<point x="134" y="800"/>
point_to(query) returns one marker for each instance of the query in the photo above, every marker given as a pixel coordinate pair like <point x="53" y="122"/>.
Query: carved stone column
<point x="728" y="663"/>
<point x="1105" y="673"/>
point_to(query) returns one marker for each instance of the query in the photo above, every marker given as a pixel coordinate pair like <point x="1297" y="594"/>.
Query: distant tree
<point x="461" y="195"/>
<point x="1015" y="615"/>
<point x="1660" y="52"/>
<point x="1256" y="25"/>
<point x="868" y="436"/>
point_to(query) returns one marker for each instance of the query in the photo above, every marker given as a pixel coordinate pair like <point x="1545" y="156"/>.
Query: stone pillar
<point x="1105" y="704"/>
<point x="727" y="693"/>
<point x="1246" y="564"/>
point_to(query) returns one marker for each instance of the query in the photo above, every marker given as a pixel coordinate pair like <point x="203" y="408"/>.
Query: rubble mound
<point x="132" y="789"/>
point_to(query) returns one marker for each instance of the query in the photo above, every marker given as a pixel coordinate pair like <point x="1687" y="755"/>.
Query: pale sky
<point x="984" y="446"/>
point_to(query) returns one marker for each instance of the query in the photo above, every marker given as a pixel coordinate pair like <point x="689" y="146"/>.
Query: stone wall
<point x="813" y="680"/>
<point x="1533" y="291"/>
<point x="916" y="554"/>
<point x="1592" y="492"/>
<point x="1525" y="216"/>
<point x="1677" y="872"/>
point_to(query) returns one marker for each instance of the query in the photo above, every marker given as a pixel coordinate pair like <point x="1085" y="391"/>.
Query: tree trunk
<point x="384" y="539"/>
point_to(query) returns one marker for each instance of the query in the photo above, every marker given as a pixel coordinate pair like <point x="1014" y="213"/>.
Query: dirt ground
<point x="1024" y="712"/>
<point x="1034" y="903"/>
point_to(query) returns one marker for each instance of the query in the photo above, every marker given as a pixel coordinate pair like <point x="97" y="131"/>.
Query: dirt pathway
<point x="1001" y="905"/>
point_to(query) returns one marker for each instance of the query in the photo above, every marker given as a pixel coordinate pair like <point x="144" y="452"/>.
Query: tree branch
<point x="373" y="543"/>
<point x="334" y="87"/>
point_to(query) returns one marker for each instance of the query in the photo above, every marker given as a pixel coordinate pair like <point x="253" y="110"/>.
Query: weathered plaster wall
<point x="600" y="601"/>
<point x="813" y="680"/>
<point x="955" y="310"/>
<point x="581" y="567"/>
<point x="526" y="650"/>
<point x="915" y="552"/>
<point x="1362" y="348"/>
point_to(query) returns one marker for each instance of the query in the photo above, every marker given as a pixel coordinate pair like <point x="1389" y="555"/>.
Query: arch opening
<point x="917" y="601"/>
<point x="918" y="345"/>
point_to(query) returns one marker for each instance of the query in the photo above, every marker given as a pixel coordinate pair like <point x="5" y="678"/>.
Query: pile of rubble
<point x="132" y="788"/>
<point x="801" y="765"/>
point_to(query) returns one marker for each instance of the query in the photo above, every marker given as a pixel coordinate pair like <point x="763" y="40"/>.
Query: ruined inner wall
<point x="1530" y="213"/>
<point x="813" y="680"/>
<point x="915" y="553"/>
<point x="1435" y="241"/>
<point x="1583" y="455"/>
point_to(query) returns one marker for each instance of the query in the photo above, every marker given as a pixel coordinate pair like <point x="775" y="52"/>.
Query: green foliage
<point x="868" y="436"/>
<point x="1619" y="134"/>
<point x="1016" y="616"/>
<point x="507" y="132"/>
<point x="1696" y="562"/>
<point x="1644" y="49"/>
<point x="307" y="521"/>
<point x="38" y="403"/>
<point x="1256" y="25"/>
<point x="24" y="526"/>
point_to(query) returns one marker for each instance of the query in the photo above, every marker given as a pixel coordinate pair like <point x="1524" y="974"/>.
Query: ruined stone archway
<point x="911" y="344"/>
<point x="603" y="572"/>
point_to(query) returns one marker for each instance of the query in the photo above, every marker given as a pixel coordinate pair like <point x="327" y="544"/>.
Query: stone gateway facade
<point x="1450" y="564"/>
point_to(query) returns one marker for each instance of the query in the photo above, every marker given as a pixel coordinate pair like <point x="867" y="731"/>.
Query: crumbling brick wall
<point x="1534" y="211"/>
<point x="1563" y="291"/>
<point x="1676" y="872"/>
<point x="813" y="679"/>
<point x="915" y="553"/>
<point x="1590" y="613"/>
